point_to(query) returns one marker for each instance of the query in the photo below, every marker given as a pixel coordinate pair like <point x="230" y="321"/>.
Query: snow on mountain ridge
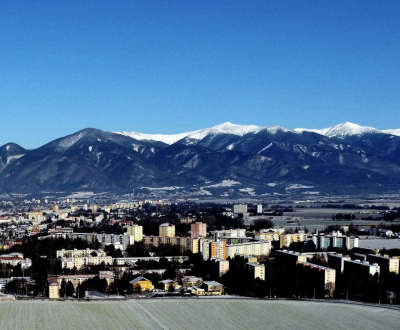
<point x="225" y="128"/>
<point x="166" y="138"/>
<point x="392" y="131"/>
<point x="341" y="130"/>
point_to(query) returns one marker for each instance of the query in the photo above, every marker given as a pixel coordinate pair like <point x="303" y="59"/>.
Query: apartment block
<point x="290" y="256"/>
<point x="219" y="267"/>
<point x="336" y="261"/>
<point x="323" y="277"/>
<point x="360" y="268"/>
<point x="386" y="263"/>
<point x="167" y="230"/>
<point x="136" y="231"/>
<point x="256" y="270"/>
<point x="287" y="239"/>
<point x="214" y="249"/>
<point x="198" y="229"/>
<point x="258" y="249"/>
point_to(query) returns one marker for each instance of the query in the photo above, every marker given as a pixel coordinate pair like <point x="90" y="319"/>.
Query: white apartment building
<point x="257" y="249"/>
<point x="238" y="232"/>
<point x="79" y="253"/>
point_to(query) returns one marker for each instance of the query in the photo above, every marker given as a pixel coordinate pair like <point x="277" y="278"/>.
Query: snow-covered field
<point x="193" y="314"/>
<point x="379" y="243"/>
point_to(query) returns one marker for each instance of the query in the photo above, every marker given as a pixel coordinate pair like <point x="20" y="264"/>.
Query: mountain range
<point x="226" y="160"/>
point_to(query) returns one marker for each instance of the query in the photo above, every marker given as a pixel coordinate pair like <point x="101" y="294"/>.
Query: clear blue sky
<point x="175" y="66"/>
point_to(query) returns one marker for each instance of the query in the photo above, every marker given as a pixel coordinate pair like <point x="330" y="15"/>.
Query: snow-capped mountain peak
<point x="341" y="130"/>
<point x="225" y="128"/>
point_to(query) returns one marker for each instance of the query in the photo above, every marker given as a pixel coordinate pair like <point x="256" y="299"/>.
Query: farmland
<point x="192" y="314"/>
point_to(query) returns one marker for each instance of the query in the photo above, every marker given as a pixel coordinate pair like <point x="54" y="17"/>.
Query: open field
<point x="378" y="243"/>
<point x="193" y="314"/>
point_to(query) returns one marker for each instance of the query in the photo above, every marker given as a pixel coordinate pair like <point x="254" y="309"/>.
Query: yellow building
<point x="287" y="239"/>
<point x="136" y="231"/>
<point x="55" y="208"/>
<point x="167" y="230"/>
<point x="142" y="284"/>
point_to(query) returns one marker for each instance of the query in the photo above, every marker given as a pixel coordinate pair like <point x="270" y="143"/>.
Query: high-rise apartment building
<point x="167" y="230"/>
<point x="136" y="231"/>
<point x="198" y="229"/>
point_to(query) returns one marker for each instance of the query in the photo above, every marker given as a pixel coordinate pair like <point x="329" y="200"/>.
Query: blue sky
<point x="175" y="66"/>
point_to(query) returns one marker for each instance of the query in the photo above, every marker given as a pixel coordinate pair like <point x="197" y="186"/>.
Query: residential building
<point x="324" y="278"/>
<point x="142" y="284"/>
<point x="290" y="256"/>
<point x="238" y="232"/>
<point x="258" y="249"/>
<point x="214" y="249"/>
<point x="80" y="253"/>
<point x="287" y="239"/>
<point x="191" y="281"/>
<point x="360" y="268"/>
<point x="79" y="279"/>
<point x="386" y="263"/>
<point x="240" y="208"/>
<point x="167" y="230"/>
<point x="198" y="229"/>
<point x="212" y="288"/>
<point x="256" y="270"/>
<point x="336" y="261"/>
<point x="325" y="241"/>
<point x="54" y="291"/>
<point x="136" y="231"/>
<point x="219" y="267"/>
<point x="168" y="285"/>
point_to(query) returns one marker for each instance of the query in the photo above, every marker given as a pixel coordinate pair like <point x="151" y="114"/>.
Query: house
<point x="141" y="284"/>
<point x="212" y="288"/>
<point x="189" y="281"/>
<point x="168" y="285"/>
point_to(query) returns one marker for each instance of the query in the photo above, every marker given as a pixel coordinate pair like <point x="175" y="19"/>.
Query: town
<point x="76" y="249"/>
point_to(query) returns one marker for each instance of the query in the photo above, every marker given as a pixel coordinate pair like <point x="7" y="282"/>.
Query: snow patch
<point x="8" y="148"/>
<point x="306" y="166"/>
<point x="135" y="147"/>
<point x="230" y="147"/>
<point x="10" y="158"/>
<point x="265" y="148"/>
<point x="250" y="191"/>
<point x="90" y="148"/>
<point x="298" y="186"/>
<point x="224" y="183"/>
<point x="161" y="188"/>
<point x="272" y="184"/>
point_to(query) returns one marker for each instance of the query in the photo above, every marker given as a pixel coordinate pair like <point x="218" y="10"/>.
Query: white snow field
<point x="193" y="314"/>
